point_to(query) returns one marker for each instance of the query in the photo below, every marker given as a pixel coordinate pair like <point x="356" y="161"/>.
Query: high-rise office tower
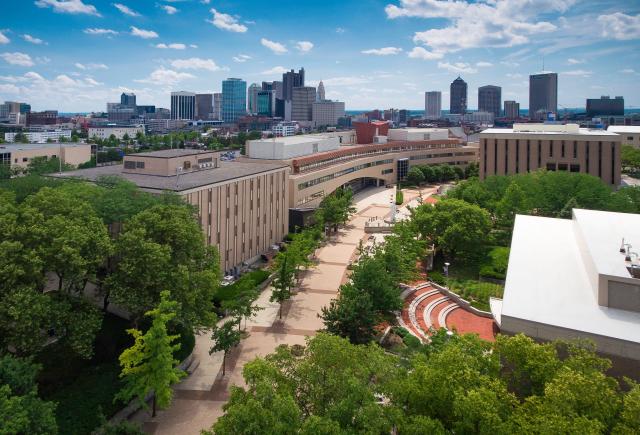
<point x="268" y="86"/>
<point x="326" y="112"/>
<point x="217" y="106"/>
<point x="302" y="103"/>
<point x="605" y="106"/>
<point x="290" y="80"/>
<point x="320" y="95"/>
<point x="458" y="97"/>
<point x="252" y="98"/>
<point x="490" y="99"/>
<point x="543" y="95"/>
<point x="266" y="103"/>
<point x="234" y="99"/>
<point x="183" y="105"/>
<point x="128" y="99"/>
<point x="511" y="109"/>
<point x="432" y="104"/>
<point x="204" y="106"/>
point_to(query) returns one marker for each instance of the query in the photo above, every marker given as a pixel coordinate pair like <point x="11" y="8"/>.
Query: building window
<point x="613" y="162"/>
<point x="574" y="168"/>
<point x="562" y="150"/>
<point x="186" y="165"/>
<point x="600" y="159"/>
<point x="539" y="154"/>
<point x="24" y="159"/>
<point x="575" y="149"/>
<point x="550" y="148"/>
<point x="551" y="166"/>
<point x="517" y="156"/>
<point x="485" y="155"/>
<point x="528" y="156"/>
<point x="495" y="156"/>
<point x="506" y="157"/>
<point x="562" y="166"/>
<point x="139" y="165"/>
<point x="129" y="164"/>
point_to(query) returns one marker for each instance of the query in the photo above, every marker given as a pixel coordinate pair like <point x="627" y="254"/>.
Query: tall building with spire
<point x="458" y="97"/>
<point x="320" y="96"/>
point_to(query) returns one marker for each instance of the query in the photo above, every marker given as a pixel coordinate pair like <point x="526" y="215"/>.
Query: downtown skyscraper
<point x="432" y="104"/>
<point x="234" y="99"/>
<point x="543" y="95"/>
<point x="458" y="97"/>
<point x="490" y="99"/>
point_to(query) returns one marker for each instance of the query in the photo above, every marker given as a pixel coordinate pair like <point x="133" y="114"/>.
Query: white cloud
<point x="195" y="63"/>
<point x="340" y="30"/>
<point x="68" y="7"/>
<point x="491" y="23"/>
<point x="32" y="39"/>
<point x="276" y="47"/>
<point x="572" y="61"/>
<point x="628" y="71"/>
<point x="3" y="38"/>
<point x="620" y="26"/>
<point x="304" y="46"/>
<point x="275" y="70"/>
<point x="422" y="53"/>
<point x="578" y="73"/>
<point x="346" y="81"/>
<point x="482" y="64"/>
<point x="384" y="51"/>
<point x="226" y="22"/>
<point x="193" y="46"/>
<point x="163" y="76"/>
<point x="205" y="2"/>
<point x="457" y="67"/>
<point x="241" y="58"/>
<point x="126" y="10"/>
<point x="514" y="75"/>
<point x="144" y="34"/>
<point x="90" y="66"/>
<point x="20" y="59"/>
<point x="43" y="59"/>
<point x="98" y="31"/>
<point x="173" y="46"/>
<point x="169" y="9"/>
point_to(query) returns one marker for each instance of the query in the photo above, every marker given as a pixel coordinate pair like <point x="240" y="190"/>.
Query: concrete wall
<point x="72" y="155"/>
<point x="605" y="345"/>
<point x="415" y="134"/>
<point x="245" y="216"/>
<point x="288" y="148"/>
<point x="507" y="154"/>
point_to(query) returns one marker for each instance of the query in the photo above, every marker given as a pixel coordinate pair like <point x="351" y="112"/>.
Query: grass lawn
<point x="464" y="280"/>
<point x="84" y="389"/>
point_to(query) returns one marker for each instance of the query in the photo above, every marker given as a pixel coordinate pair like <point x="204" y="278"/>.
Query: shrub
<point x="250" y="279"/>
<point x="411" y="341"/>
<point x="400" y="331"/>
<point x="437" y="277"/>
<point x="399" y="197"/>
<point x="495" y="266"/>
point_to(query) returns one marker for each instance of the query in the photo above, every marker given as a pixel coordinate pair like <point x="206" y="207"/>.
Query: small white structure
<point x="283" y="148"/>
<point x="415" y="134"/>
<point x="40" y="136"/>
<point x="630" y="134"/>
<point x="116" y="130"/>
<point x="575" y="279"/>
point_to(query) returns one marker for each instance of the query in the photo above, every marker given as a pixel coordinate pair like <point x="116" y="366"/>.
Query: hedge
<point x="495" y="266"/>
<point x="399" y="197"/>
<point x="250" y="279"/>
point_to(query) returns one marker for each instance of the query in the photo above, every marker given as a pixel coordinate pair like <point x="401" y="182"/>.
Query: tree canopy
<point x="457" y="384"/>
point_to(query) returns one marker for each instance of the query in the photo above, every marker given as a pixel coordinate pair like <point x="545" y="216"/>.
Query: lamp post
<point x="446" y="269"/>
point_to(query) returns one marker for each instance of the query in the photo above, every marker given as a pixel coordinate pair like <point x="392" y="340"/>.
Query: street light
<point x="446" y="269"/>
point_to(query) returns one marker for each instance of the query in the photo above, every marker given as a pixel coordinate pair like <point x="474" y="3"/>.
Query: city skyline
<point x="75" y="55"/>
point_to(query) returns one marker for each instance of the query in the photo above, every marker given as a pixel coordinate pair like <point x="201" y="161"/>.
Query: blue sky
<point x="75" y="55"/>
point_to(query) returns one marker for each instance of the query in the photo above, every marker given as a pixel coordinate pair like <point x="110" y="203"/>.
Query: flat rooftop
<point x="580" y="131"/>
<point x="294" y="140"/>
<point x="39" y="146"/>
<point x="168" y="154"/>
<point x="226" y="171"/>
<point x="547" y="281"/>
<point x="624" y="128"/>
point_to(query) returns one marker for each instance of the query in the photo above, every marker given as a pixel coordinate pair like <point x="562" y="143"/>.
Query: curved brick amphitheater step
<point x="465" y="322"/>
<point x="434" y="305"/>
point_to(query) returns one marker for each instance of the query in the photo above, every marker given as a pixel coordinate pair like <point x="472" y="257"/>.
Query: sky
<point x="77" y="55"/>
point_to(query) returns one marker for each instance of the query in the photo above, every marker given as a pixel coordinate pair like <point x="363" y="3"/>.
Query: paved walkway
<point x="199" y="398"/>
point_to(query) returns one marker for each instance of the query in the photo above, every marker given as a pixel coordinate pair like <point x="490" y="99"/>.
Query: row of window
<point x="131" y="164"/>
<point x="373" y="151"/>
<point x="309" y="198"/>
<point x="338" y="174"/>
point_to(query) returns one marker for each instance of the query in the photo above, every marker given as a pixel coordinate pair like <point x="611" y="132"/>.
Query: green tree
<point x="351" y="315"/>
<point x="282" y="282"/>
<point x="243" y="304"/>
<point x="225" y="338"/>
<point x="149" y="366"/>
<point x="44" y="165"/>
<point x="630" y="157"/>
<point x="370" y="275"/>
<point x="21" y="410"/>
<point x="458" y="228"/>
<point x="415" y="176"/>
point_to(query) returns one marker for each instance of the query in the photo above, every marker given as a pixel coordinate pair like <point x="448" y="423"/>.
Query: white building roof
<point x="624" y="128"/>
<point x="548" y="281"/>
<point x="39" y="146"/>
<point x="546" y="130"/>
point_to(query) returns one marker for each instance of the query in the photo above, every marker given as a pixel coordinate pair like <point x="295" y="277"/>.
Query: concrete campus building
<point x="19" y="155"/>
<point x="322" y="163"/>
<point x="40" y="136"/>
<point x="630" y="134"/>
<point x="527" y="147"/>
<point x="105" y="132"/>
<point x="242" y="206"/>
<point x="573" y="279"/>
